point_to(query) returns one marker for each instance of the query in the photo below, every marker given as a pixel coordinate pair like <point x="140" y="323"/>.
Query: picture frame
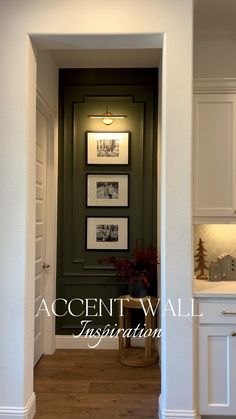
<point x="107" y="233"/>
<point x="107" y="148"/>
<point x="107" y="190"/>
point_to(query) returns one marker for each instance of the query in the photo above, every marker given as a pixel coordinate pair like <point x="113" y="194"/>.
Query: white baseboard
<point x="26" y="412"/>
<point x="69" y="342"/>
<point x="176" y="414"/>
<point x="179" y="414"/>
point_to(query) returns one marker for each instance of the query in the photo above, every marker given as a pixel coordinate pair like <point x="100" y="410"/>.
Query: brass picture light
<point x="107" y="117"/>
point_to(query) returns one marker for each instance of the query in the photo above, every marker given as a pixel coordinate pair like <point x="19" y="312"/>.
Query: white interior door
<point x="40" y="240"/>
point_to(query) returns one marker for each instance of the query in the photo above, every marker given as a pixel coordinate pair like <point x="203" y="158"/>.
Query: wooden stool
<point x="129" y="355"/>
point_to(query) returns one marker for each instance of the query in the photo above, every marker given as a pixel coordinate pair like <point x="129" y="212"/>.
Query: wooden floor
<point x="82" y="384"/>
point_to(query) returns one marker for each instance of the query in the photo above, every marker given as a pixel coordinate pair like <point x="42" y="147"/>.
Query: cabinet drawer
<point x="220" y="312"/>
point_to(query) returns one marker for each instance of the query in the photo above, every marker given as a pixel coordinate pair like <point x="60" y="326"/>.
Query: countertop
<point x="207" y="289"/>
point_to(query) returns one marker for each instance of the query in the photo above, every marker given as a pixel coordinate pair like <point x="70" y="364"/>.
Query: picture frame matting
<point x="107" y="190"/>
<point x="107" y="148"/>
<point x="107" y="233"/>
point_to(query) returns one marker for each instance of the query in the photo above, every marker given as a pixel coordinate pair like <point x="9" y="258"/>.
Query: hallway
<point x="80" y="384"/>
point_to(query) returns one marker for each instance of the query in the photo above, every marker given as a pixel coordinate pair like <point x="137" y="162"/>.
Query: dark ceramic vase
<point x="137" y="289"/>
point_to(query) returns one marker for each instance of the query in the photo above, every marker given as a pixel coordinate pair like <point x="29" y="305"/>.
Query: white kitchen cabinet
<point x="214" y="155"/>
<point x="217" y="358"/>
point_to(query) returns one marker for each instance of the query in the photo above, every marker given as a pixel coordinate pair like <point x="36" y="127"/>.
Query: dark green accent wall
<point x="81" y="92"/>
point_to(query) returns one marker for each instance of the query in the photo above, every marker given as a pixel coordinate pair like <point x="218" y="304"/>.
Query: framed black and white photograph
<point x="107" y="190"/>
<point x="108" y="148"/>
<point x="107" y="233"/>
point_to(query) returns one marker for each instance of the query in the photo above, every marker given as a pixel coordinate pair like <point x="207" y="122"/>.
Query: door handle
<point x="45" y="266"/>
<point x="228" y="313"/>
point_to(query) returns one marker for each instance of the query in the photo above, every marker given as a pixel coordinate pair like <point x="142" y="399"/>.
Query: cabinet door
<point x="217" y="366"/>
<point x="214" y="155"/>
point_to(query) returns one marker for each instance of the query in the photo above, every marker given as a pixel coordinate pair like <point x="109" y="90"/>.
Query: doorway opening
<point x="64" y="341"/>
<point x="48" y="62"/>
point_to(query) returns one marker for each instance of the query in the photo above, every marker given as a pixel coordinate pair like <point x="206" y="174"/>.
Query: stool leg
<point x="121" y="325"/>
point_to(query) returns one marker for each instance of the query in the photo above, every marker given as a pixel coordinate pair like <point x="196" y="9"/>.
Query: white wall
<point x="17" y="106"/>
<point x="17" y="91"/>
<point x="215" y="59"/>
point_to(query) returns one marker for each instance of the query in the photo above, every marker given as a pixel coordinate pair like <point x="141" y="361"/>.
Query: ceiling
<point x="107" y="58"/>
<point x="215" y="19"/>
<point x="103" y="51"/>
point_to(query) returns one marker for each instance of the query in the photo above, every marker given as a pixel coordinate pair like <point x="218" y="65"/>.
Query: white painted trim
<point x="215" y="85"/>
<point x="159" y="408"/>
<point x="43" y="104"/>
<point x="69" y="342"/>
<point x="176" y="414"/>
<point x="179" y="414"/>
<point x="26" y="412"/>
<point x="51" y="218"/>
<point x="214" y="220"/>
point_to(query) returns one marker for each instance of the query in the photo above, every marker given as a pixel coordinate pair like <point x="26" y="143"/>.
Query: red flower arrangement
<point x="142" y="265"/>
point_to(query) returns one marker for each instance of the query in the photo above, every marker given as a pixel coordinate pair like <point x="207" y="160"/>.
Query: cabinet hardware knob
<point x="233" y="334"/>
<point x="46" y="266"/>
<point x="228" y="313"/>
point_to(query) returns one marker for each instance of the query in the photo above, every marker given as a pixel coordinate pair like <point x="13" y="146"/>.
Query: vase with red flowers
<point x="138" y="271"/>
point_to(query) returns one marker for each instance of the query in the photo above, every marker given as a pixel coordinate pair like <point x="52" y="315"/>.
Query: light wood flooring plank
<point x="82" y="384"/>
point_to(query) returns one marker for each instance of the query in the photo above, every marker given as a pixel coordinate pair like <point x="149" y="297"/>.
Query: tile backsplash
<point x="218" y="238"/>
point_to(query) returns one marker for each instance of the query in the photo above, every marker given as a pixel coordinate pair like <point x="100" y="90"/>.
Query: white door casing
<point x="40" y="240"/>
<point x="47" y="147"/>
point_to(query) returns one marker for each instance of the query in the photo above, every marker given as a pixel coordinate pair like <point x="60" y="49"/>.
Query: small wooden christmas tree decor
<point x="201" y="260"/>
